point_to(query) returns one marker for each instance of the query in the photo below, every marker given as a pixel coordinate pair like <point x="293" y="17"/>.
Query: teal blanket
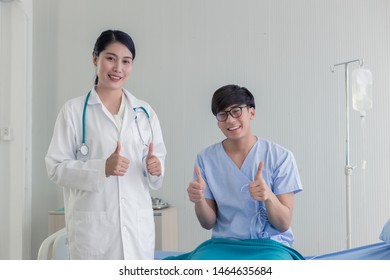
<point x="250" y="249"/>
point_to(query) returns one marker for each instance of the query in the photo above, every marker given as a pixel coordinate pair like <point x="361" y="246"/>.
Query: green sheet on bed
<point x="250" y="249"/>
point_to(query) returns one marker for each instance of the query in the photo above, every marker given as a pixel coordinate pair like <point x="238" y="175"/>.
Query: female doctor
<point x="106" y="151"/>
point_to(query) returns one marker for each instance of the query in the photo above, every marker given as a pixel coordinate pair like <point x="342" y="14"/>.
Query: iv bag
<point x="361" y="90"/>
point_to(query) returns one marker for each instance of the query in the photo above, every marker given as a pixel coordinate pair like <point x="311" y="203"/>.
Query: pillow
<point x="385" y="234"/>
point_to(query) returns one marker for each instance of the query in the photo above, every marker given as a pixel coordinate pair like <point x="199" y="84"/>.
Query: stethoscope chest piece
<point x="84" y="149"/>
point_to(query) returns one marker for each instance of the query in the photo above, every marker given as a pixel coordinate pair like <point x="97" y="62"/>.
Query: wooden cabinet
<point x="165" y="225"/>
<point x="166" y="229"/>
<point x="56" y="221"/>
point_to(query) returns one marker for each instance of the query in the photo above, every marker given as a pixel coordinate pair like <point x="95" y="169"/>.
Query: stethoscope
<point x="84" y="150"/>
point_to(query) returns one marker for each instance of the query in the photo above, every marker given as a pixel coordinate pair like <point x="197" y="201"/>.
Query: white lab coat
<point x="106" y="218"/>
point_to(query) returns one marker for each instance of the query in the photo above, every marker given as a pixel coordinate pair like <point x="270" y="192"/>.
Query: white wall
<point x="15" y="116"/>
<point x="281" y="50"/>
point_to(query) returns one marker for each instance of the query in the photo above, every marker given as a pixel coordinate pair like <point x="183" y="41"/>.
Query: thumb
<point x="259" y="175"/>
<point x="150" y="151"/>
<point x="199" y="178"/>
<point x="118" y="148"/>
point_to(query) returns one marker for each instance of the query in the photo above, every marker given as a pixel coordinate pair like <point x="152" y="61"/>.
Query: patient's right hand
<point x="196" y="187"/>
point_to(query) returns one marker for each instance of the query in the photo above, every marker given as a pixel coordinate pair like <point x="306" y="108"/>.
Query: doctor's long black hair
<point x="110" y="36"/>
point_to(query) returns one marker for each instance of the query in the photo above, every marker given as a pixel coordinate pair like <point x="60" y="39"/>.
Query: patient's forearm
<point x="280" y="211"/>
<point x="206" y="213"/>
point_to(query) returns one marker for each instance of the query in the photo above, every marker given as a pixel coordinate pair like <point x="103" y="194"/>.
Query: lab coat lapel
<point x="94" y="100"/>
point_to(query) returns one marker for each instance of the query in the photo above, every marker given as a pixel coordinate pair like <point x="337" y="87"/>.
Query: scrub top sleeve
<point x="286" y="176"/>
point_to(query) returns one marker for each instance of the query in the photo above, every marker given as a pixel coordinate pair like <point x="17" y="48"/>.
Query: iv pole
<point x="348" y="168"/>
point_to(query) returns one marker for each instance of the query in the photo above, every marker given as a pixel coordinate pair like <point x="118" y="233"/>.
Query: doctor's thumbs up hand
<point x="259" y="189"/>
<point x="153" y="164"/>
<point x="117" y="165"/>
<point x="196" y="187"/>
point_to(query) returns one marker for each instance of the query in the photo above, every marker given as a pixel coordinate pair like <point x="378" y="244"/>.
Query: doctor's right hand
<point x="196" y="187"/>
<point x="116" y="165"/>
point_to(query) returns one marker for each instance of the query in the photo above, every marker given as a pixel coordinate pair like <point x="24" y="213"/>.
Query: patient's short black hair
<point x="231" y="95"/>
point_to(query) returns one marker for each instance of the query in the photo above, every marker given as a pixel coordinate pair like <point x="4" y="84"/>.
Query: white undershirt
<point x="118" y="120"/>
<point x="119" y="116"/>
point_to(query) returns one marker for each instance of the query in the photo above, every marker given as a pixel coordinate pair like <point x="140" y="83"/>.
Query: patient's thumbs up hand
<point x="196" y="187"/>
<point x="259" y="189"/>
<point x="259" y="174"/>
<point x="117" y="165"/>
<point x="199" y="177"/>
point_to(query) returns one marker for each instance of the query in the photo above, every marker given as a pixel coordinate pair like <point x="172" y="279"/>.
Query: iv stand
<point x="348" y="168"/>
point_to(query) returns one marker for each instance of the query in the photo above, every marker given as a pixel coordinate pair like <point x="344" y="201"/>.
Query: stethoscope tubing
<point x="84" y="111"/>
<point x="150" y="125"/>
<point x="84" y="148"/>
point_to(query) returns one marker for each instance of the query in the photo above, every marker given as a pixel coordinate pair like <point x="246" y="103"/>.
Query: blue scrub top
<point x="239" y="215"/>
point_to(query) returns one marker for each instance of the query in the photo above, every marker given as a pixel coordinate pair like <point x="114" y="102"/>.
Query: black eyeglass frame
<point x="227" y="113"/>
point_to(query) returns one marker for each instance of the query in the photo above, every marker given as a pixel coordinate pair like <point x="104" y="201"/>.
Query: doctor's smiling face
<point x="113" y="66"/>
<point x="113" y="56"/>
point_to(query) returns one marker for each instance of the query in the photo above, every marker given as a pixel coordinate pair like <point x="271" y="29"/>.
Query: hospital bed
<point x="54" y="248"/>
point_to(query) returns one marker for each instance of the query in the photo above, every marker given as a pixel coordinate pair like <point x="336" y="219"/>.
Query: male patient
<point x="244" y="186"/>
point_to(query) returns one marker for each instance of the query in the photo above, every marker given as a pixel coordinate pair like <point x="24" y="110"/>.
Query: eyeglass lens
<point x="235" y="112"/>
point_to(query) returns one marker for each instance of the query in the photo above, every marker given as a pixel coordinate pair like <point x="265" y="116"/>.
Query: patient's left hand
<point x="259" y="189"/>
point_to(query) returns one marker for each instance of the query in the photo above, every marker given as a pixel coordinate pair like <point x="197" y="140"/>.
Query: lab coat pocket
<point x="92" y="232"/>
<point x="146" y="230"/>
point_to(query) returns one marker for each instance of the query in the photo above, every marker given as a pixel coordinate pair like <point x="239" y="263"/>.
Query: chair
<point x="54" y="247"/>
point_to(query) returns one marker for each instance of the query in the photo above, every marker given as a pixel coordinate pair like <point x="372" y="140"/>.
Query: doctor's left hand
<point x="153" y="164"/>
<point x="116" y="165"/>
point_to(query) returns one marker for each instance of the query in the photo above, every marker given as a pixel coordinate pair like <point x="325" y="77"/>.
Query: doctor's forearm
<point x="86" y="176"/>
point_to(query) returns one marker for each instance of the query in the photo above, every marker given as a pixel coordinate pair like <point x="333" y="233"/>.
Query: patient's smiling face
<point x="236" y="128"/>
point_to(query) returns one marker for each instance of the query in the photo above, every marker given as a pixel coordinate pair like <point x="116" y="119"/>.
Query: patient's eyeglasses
<point x="235" y="112"/>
